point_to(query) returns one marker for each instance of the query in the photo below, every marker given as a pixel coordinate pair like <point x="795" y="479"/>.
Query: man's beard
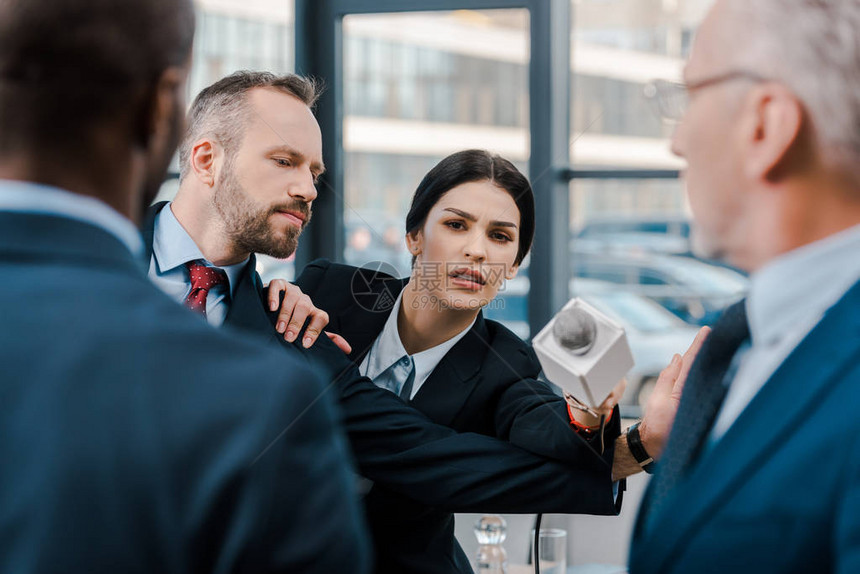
<point x="248" y="224"/>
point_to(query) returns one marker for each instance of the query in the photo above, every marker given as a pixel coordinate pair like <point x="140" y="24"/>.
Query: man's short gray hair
<point x="221" y="110"/>
<point x="813" y="47"/>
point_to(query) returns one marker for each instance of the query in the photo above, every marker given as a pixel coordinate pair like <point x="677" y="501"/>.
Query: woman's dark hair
<point x="470" y="166"/>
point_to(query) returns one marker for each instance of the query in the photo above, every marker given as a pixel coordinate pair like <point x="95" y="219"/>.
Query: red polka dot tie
<point x="203" y="278"/>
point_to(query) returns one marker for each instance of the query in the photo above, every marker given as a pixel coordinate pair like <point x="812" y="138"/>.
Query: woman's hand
<point x="296" y="309"/>
<point x="592" y="419"/>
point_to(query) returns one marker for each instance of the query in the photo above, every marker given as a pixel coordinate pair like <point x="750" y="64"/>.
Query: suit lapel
<point x="362" y="322"/>
<point x="247" y="311"/>
<point x="147" y="231"/>
<point x="455" y="376"/>
<point x="800" y="383"/>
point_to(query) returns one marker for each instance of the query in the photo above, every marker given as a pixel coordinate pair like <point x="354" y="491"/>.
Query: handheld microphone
<point x="583" y="351"/>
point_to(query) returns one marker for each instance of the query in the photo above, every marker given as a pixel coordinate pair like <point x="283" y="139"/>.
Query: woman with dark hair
<point x="469" y="228"/>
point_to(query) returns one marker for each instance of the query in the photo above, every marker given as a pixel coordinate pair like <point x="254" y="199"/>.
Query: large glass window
<point x="630" y="238"/>
<point x="241" y="35"/>
<point x="418" y="87"/>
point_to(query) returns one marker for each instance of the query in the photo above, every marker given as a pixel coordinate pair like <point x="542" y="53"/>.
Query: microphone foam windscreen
<point x="575" y="330"/>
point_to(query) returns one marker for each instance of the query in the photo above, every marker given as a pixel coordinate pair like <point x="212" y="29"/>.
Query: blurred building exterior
<point x="419" y="86"/>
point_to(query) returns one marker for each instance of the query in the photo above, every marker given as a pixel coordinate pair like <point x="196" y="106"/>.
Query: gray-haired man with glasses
<point x="761" y="472"/>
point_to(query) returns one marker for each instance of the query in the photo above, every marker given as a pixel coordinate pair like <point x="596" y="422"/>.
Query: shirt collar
<point x="172" y="246"/>
<point x="30" y="197"/>
<point x="802" y="284"/>
<point x="388" y="349"/>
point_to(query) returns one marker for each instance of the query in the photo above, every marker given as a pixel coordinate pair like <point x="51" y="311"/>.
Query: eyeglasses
<point x="672" y="98"/>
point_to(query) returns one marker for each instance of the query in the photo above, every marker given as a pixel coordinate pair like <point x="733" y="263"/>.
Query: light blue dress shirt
<point x="172" y="248"/>
<point x="787" y="299"/>
<point x="37" y="198"/>
<point x="387" y="350"/>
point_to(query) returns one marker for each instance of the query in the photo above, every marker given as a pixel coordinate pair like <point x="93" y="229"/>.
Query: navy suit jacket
<point x="780" y="491"/>
<point x="487" y="383"/>
<point x="135" y="438"/>
<point x="398" y="446"/>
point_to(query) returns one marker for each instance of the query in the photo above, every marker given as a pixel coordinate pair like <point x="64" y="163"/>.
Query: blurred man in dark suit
<point x="762" y="469"/>
<point x="135" y="438"/>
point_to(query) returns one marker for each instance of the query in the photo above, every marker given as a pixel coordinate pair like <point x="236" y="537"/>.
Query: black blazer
<point x="487" y="383"/>
<point x="134" y="438"/>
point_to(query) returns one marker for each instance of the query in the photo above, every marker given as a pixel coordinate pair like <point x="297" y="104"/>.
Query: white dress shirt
<point x="172" y="248"/>
<point x="388" y="349"/>
<point x="37" y="198"/>
<point x="787" y="298"/>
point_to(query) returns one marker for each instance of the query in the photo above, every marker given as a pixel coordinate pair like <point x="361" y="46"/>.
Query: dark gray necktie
<point x="703" y="395"/>
<point x="398" y="378"/>
<point x="406" y="390"/>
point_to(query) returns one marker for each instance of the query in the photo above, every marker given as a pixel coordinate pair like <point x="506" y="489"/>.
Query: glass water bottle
<point x="491" y="531"/>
